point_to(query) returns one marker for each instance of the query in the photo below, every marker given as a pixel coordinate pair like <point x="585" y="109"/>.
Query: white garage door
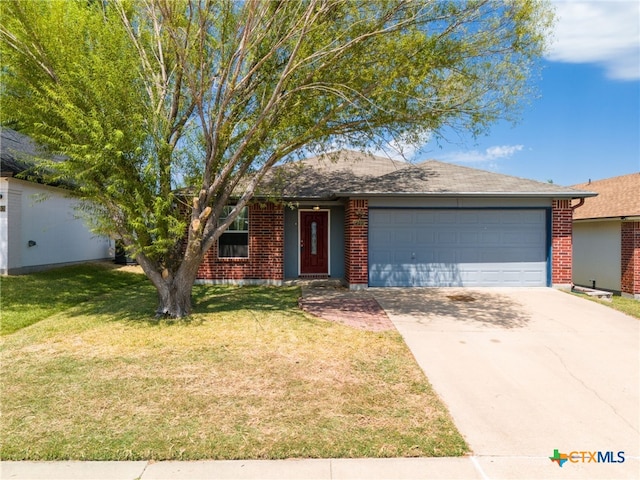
<point x="431" y="248"/>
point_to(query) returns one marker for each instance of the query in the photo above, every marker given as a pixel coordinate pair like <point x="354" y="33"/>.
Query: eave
<point x="563" y="195"/>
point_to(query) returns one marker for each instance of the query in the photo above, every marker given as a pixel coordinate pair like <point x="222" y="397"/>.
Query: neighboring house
<point x="39" y="227"/>
<point x="376" y="222"/>
<point x="606" y="231"/>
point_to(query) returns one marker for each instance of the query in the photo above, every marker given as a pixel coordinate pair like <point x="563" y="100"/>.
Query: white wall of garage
<point x="41" y="229"/>
<point x="596" y="254"/>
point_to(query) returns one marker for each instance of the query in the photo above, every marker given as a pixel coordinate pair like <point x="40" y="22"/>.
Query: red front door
<point x="314" y="243"/>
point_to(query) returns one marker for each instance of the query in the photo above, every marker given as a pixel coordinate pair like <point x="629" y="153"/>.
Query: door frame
<point x="300" y="210"/>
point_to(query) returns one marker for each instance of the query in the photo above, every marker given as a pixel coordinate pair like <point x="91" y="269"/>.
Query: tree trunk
<point x="174" y="288"/>
<point x="174" y="297"/>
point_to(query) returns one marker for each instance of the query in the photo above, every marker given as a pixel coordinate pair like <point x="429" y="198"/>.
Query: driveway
<point x="528" y="371"/>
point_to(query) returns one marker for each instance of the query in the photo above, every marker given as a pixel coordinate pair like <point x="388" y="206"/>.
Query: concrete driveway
<point x="527" y="371"/>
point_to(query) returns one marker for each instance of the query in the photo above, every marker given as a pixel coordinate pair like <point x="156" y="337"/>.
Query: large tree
<point x="142" y="97"/>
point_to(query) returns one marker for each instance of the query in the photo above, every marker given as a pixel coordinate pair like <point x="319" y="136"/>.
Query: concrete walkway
<point x="524" y="372"/>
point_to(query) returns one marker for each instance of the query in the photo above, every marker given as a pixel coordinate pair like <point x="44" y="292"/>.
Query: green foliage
<point x="144" y="96"/>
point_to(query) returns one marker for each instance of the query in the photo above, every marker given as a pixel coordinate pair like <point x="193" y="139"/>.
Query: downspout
<point x="573" y="209"/>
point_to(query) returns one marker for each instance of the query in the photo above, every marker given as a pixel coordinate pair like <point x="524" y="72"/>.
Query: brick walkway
<point x="357" y="309"/>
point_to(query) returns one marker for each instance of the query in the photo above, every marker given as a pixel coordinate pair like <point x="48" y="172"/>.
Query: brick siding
<point x="630" y="258"/>
<point x="561" y="242"/>
<point x="266" y="251"/>
<point x="356" y="243"/>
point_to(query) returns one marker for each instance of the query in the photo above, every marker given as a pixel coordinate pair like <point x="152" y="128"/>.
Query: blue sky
<point x="586" y="122"/>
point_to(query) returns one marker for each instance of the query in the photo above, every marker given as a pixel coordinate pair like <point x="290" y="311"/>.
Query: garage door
<point x="431" y="248"/>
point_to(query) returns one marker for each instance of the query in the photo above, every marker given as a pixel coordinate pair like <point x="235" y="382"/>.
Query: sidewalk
<point x="321" y="469"/>
<point x="470" y="467"/>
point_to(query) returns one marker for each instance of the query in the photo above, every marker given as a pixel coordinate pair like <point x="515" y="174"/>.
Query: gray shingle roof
<point x="347" y="173"/>
<point x="16" y="151"/>
<point x="19" y="153"/>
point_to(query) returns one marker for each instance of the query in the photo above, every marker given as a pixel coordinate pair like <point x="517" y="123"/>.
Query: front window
<point x="234" y="242"/>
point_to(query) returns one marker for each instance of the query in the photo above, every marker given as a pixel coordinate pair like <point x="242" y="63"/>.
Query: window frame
<point x="233" y="230"/>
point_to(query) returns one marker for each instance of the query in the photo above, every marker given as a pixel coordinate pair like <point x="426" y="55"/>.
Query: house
<point x="606" y="231"/>
<point x="376" y="222"/>
<point x="39" y="226"/>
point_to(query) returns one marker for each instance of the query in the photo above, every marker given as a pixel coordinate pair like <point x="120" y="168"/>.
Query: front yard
<point x="248" y="376"/>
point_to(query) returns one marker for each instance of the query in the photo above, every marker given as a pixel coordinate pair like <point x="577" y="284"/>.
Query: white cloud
<point x="601" y="32"/>
<point x="503" y="151"/>
<point x="491" y="154"/>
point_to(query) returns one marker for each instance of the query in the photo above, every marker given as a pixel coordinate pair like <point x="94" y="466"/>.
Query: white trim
<point x="328" y="238"/>
<point x="247" y="231"/>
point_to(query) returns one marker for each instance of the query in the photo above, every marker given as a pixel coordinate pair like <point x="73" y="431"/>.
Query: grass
<point x="27" y="299"/>
<point x="248" y="376"/>
<point x="626" y="305"/>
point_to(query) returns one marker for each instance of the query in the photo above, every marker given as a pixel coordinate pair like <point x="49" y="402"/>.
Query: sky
<point x="585" y="123"/>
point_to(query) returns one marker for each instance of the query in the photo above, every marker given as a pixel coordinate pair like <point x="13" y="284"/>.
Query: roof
<point x="19" y="153"/>
<point x="347" y="173"/>
<point x="617" y="197"/>
<point x="16" y="151"/>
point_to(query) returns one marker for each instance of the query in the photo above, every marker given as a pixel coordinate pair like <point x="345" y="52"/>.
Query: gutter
<point x="580" y="203"/>
<point x="565" y="195"/>
<point x="621" y="218"/>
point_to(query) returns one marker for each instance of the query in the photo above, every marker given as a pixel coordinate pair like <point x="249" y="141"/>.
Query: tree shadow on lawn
<point x="137" y="303"/>
<point x="64" y="287"/>
<point x="28" y="299"/>
<point x="229" y="298"/>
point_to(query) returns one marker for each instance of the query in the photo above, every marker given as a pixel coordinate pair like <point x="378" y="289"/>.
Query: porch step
<point x="316" y="281"/>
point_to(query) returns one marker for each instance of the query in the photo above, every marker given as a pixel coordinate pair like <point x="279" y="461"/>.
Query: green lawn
<point x="248" y="376"/>
<point x="27" y="299"/>
<point x="629" y="306"/>
<point x="626" y="305"/>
